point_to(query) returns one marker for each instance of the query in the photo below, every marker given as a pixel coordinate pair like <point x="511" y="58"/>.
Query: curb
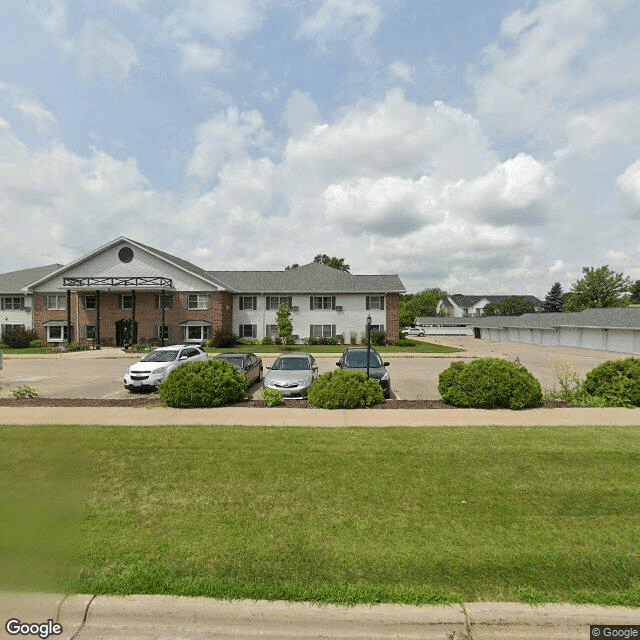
<point x="86" y="617"/>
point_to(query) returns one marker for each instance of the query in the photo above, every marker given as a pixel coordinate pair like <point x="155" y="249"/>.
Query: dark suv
<point x="356" y="358"/>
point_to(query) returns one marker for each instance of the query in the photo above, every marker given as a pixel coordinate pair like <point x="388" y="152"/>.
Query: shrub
<point x="214" y="383"/>
<point x="141" y="346"/>
<point x="18" y="339"/>
<point x="272" y="397"/>
<point x="223" y="338"/>
<point x="267" y="340"/>
<point x="342" y="389"/>
<point x="488" y="383"/>
<point x="617" y="382"/>
<point x="311" y="340"/>
<point x="76" y="346"/>
<point x="25" y="391"/>
<point x="289" y="340"/>
<point x="405" y="342"/>
<point x="36" y="344"/>
<point x="378" y="338"/>
<point x="277" y="340"/>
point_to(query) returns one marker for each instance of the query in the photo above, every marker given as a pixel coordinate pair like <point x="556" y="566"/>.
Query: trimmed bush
<point x="342" y="389"/>
<point x="617" y="382"/>
<point x="405" y="342"/>
<point x="37" y="344"/>
<point x="378" y="338"/>
<point x="214" y="383"/>
<point x="19" y="339"/>
<point x="223" y="338"/>
<point x="488" y="383"/>
<point x="271" y="397"/>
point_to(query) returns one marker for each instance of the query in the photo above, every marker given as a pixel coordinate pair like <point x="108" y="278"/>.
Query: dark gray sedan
<point x="248" y="364"/>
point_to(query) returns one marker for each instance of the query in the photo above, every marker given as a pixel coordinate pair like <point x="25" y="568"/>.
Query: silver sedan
<point x="292" y="374"/>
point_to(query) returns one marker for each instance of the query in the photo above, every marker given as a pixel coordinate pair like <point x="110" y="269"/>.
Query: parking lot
<point x="98" y="374"/>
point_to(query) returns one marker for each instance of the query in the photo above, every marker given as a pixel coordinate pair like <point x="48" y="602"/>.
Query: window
<point x="11" y="303"/>
<point x="8" y="328"/>
<point x="322" y="302"/>
<point x="248" y="331"/>
<point x="195" y="332"/>
<point x="57" y="301"/>
<point x="199" y="301"/>
<point x="57" y="333"/>
<point x="164" y="301"/>
<point x="377" y="327"/>
<point x="322" y="330"/>
<point x="273" y="302"/>
<point x="271" y="330"/>
<point x="375" y="302"/>
<point x="248" y="303"/>
<point x="126" y="302"/>
<point x="89" y="302"/>
<point x="90" y="332"/>
<point x="162" y="332"/>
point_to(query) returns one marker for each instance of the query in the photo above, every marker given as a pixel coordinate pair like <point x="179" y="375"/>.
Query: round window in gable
<point x="125" y="254"/>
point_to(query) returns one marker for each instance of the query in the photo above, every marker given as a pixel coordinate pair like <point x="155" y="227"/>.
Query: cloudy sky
<point x="482" y="147"/>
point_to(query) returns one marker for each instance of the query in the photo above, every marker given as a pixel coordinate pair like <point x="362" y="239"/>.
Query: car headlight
<point x="385" y="377"/>
<point x="161" y="369"/>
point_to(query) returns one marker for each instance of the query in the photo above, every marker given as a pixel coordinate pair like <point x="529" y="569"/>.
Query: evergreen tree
<point x="283" y="322"/>
<point x="554" y="301"/>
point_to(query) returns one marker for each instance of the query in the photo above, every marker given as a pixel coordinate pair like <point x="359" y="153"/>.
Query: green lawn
<point x="25" y="350"/>
<point x="332" y="515"/>
<point x="420" y="347"/>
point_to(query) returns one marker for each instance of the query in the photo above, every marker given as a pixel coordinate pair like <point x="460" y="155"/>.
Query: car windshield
<point x="235" y="361"/>
<point x="161" y="356"/>
<point x="359" y="359"/>
<point x="291" y="364"/>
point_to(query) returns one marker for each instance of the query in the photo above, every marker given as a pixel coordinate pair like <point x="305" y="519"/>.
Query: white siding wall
<point x="107" y="264"/>
<point x="18" y="316"/>
<point x="351" y="320"/>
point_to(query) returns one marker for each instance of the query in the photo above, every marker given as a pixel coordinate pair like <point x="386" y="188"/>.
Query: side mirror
<point x="386" y="364"/>
<point x="338" y="364"/>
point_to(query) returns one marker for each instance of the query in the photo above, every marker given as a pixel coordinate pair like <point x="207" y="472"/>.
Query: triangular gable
<point x="144" y="262"/>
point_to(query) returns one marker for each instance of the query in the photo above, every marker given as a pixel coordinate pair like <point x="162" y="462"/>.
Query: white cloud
<point x="228" y="137"/>
<point x="550" y="57"/>
<point x="629" y="185"/>
<point x="400" y="69"/>
<point x="220" y="20"/>
<point x="102" y="51"/>
<point x="200" y="58"/>
<point x="390" y="206"/>
<point x="52" y="15"/>
<point x="355" y="20"/>
<point x="34" y="111"/>
<point x="301" y="113"/>
<point x="515" y="191"/>
<point x="390" y="137"/>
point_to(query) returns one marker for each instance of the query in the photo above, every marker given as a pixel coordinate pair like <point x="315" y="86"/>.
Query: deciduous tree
<point x="599" y="287"/>
<point x="415" y="305"/>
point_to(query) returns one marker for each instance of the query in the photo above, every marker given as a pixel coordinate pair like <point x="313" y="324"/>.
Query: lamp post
<point x="368" y="342"/>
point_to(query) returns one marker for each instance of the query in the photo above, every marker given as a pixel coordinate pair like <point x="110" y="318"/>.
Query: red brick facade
<point x="393" y="317"/>
<point x="146" y="314"/>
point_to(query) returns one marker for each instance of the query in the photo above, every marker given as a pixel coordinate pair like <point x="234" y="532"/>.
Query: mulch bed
<point x="154" y="401"/>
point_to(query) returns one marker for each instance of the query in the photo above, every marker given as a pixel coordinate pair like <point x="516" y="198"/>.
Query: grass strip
<point x="350" y="515"/>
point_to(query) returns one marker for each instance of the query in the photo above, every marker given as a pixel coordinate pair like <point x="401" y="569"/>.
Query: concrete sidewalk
<point x="285" y="417"/>
<point x="85" y="617"/>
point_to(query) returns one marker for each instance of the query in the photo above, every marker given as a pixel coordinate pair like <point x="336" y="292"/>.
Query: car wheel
<point x="260" y="375"/>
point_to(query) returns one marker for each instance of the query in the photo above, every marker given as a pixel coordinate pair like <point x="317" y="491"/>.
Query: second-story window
<point x="322" y="302"/>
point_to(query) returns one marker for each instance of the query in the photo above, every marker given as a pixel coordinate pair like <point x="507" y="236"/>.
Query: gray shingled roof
<point x="15" y="281"/>
<point x="308" y="278"/>
<point x="610" y="318"/>
<point x="444" y="320"/>
<point x="465" y="301"/>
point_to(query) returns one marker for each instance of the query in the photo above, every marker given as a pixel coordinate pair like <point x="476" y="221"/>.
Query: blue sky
<point x="482" y="147"/>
